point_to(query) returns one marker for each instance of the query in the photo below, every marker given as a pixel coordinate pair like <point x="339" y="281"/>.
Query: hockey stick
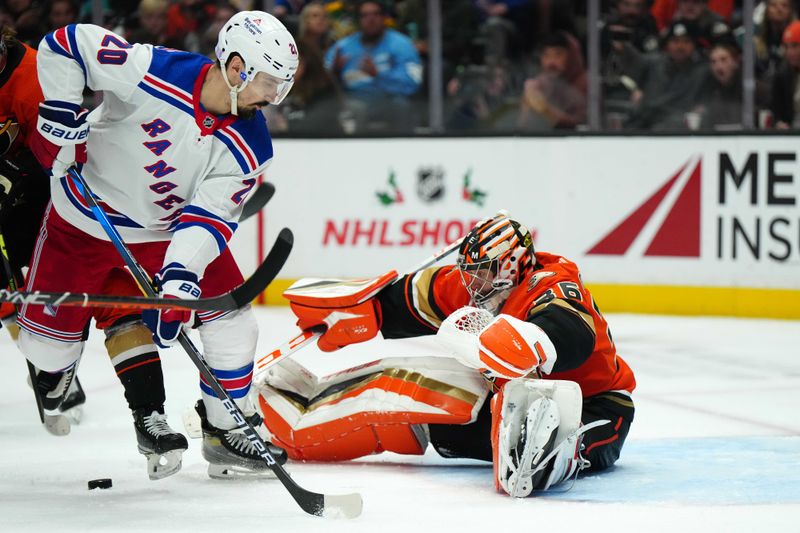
<point x="12" y="284"/>
<point x="346" y="505"/>
<point x="307" y="336"/>
<point x="258" y="199"/>
<point x="229" y="301"/>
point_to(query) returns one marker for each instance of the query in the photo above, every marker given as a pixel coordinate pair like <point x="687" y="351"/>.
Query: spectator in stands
<point x="211" y="33"/>
<point x="672" y="82"/>
<point x="27" y="21"/>
<point x="186" y="20"/>
<point x="778" y="14"/>
<point x="665" y="11"/>
<point x="710" y="25"/>
<point x="506" y="27"/>
<point x="785" y="97"/>
<point x="379" y="69"/>
<point x="483" y="98"/>
<point x="631" y="24"/>
<point x="720" y="100"/>
<point x="61" y="13"/>
<point x="556" y="98"/>
<point x="152" y="23"/>
<point x="315" y="27"/>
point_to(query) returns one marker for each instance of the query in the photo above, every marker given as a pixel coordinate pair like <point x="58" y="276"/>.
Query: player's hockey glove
<point x="172" y="281"/>
<point x="60" y="137"/>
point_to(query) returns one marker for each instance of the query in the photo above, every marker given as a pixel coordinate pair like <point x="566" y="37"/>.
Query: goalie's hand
<point x="59" y="141"/>
<point x="172" y="281"/>
<point x="511" y="348"/>
<point x="343" y="325"/>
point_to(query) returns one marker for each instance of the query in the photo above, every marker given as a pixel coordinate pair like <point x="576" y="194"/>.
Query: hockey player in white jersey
<point x="171" y="154"/>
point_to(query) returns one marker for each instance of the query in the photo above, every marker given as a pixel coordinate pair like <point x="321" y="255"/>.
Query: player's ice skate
<point x="54" y="389"/>
<point x="160" y="444"/>
<point x="229" y="452"/>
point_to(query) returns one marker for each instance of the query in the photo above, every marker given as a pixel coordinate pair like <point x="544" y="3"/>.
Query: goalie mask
<point x="267" y="49"/>
<point x="492" y="260"/>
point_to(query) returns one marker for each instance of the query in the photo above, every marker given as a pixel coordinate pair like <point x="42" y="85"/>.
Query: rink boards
<point x="688" y="225"/>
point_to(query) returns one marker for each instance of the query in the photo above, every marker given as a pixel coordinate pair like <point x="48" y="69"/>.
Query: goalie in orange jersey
<point x="532" y="383"/>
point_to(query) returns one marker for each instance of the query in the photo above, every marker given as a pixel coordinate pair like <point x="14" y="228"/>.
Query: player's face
<point x="264" y="89"/>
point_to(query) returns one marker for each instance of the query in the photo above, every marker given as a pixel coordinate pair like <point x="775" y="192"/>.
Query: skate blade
<point x="164" y="465"/>
<point x="192" y="424"/>
<point x="57" y="424"/>
<point x="237" y="472"/>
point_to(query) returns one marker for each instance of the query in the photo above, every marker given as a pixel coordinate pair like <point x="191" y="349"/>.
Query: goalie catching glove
<point x="346" y="309"/>
<point x="172" y="281"/>
<point x="501" y="346"/>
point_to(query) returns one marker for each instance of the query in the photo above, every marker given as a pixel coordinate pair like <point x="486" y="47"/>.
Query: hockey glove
<point x="511" y="348"/>
<point x="60" y="137"/>
<point x="345" y="325"/>
<point x="172" y="281"/>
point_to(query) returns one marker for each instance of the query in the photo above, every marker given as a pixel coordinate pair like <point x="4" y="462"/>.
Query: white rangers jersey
<point x="162" y="167"/>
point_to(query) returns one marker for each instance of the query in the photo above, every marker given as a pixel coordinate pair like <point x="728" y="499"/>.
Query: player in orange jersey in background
<point x="534" y="384"/>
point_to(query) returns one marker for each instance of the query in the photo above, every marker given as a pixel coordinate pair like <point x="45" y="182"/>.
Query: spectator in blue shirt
<point x="379" y="69"/>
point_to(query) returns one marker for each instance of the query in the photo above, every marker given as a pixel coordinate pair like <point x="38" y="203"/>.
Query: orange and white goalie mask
<point x="492" y="260"/>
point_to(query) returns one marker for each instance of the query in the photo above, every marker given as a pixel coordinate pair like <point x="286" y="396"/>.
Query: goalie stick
<point x="345" y="505"/>
<point x="307" y="336"/>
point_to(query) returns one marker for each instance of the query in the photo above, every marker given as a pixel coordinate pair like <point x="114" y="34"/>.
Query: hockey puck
<point x="103" y="483"/>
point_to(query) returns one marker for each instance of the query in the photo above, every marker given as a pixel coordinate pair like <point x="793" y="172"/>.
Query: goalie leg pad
<point x="229" y="343"/>
<point x="372" y="413"/>
<point x="535" y="434"/>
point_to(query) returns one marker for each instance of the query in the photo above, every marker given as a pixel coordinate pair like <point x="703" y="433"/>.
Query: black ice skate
<point x="53" y="388"/>
<point x="229" y="452"/>
<point x="162" y="446"/>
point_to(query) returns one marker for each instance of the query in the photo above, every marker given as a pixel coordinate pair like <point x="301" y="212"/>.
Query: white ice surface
<point x="715" y="447"/>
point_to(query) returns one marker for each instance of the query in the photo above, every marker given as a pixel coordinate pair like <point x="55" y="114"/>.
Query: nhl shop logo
<point x="667" y="224"/>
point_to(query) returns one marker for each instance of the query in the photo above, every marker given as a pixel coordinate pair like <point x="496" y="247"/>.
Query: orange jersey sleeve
<point x="419" y="302"/>
<point x="556" y="286"/>
<point x="20" y="93"/>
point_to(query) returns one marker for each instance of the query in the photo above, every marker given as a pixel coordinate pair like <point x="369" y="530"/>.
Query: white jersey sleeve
<point x="206" y="225"/>
<point x="84" y="55"/>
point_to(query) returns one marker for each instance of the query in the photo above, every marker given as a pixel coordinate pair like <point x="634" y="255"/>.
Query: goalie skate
<point x="229" y="452"/>
<point x="160" y="444"/>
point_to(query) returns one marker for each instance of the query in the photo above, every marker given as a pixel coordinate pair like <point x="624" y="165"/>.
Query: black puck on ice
<point x="103" y="483"/>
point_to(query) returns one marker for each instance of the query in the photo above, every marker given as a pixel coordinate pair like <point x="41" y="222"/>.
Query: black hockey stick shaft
<point x="14" y="285"/>
<point x="311" y="502"/>
<point x="238" y="297"/>
<point x="257" y="200"/>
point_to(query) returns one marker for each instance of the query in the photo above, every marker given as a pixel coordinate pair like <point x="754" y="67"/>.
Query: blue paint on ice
<point x="716" y="471"/>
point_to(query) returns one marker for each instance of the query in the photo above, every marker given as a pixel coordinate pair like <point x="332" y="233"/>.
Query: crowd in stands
<point x="513" y="65"/>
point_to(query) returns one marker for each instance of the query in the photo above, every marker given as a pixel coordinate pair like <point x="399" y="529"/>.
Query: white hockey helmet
<point x="264" y="44"/>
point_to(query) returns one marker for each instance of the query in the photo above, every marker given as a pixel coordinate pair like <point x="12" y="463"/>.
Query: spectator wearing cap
<point x="710" y="25"/>
<point x="785" y="94"/>
<point x="379" y="69"/>
<point x="672" y="81"/>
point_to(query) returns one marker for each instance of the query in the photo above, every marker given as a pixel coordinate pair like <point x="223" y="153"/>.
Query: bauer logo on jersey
<point x="430" y="184"/>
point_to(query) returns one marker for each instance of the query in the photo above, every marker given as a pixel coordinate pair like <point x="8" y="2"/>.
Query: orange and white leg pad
<point x="536" y="428"/>
<point x="376" y="407"/>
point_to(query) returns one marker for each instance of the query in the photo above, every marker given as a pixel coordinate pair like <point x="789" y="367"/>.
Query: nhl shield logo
<point x="430" y="184"/>
<point x="208" y="121"/>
